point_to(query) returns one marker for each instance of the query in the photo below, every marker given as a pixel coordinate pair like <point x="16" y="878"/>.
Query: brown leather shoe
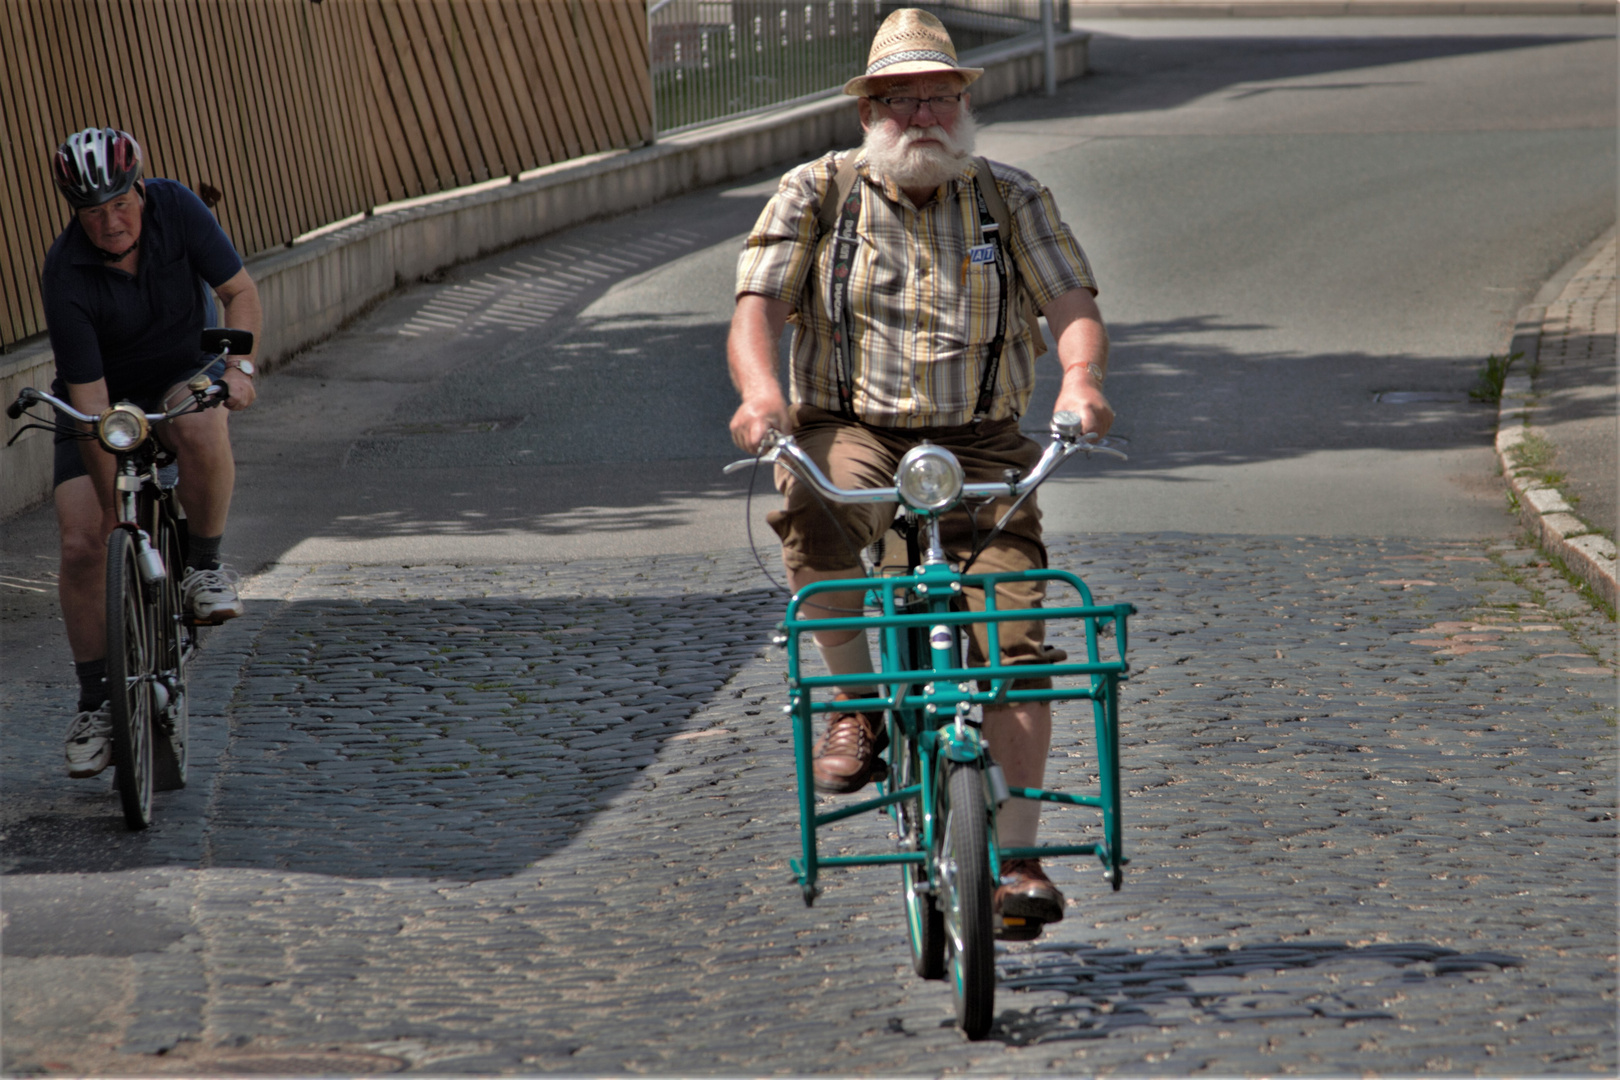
<point x="847" y="759"/>
<point x="1026" y="900"/>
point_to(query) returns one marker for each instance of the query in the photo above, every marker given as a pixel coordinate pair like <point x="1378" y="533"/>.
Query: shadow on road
<point x="458" y="738"/>
<point x="1111" y="989"/>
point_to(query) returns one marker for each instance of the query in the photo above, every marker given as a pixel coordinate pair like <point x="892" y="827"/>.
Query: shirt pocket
<point x="978" y="298"/>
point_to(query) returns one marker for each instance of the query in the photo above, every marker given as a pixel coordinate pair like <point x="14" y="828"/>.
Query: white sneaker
<point x="89" y="743"/>
<point x="210" y="595"/>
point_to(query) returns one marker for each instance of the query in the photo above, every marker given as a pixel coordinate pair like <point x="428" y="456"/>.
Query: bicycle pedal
<point x="1013" y="928"/>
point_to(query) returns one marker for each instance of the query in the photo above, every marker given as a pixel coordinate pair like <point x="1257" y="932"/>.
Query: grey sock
<point x="202" y="553"/>
<point x="92" y="683"/>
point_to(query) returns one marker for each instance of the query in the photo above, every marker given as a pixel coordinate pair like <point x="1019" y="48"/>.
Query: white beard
<point x="891" y="152"/>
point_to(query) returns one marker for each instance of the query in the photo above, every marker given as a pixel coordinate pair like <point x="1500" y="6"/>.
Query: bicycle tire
<point x="925" y="923"/>
<point x="172" y="646"/>
<point x="129" y="680"/>
<point x="968" y="898"/>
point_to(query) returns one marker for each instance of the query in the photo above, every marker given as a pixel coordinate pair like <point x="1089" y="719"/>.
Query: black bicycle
<point x="150" y="638"/>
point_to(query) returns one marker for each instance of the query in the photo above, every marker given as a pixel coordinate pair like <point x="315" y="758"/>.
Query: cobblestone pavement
<point x="533" y="819"/>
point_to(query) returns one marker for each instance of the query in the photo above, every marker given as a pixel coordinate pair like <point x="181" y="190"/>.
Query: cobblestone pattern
<point x="1370" y="811"/>
<point x="1580" y="325"/>
<point x="465" y="737"/>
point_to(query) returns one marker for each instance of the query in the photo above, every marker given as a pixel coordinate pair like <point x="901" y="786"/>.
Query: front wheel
<point x="129" y="679"/>
<point x="968" y="896"/>
<point x="172" y="643"/>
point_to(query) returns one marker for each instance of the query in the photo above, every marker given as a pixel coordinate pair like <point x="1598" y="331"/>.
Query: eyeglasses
<point x="945" y="105"/>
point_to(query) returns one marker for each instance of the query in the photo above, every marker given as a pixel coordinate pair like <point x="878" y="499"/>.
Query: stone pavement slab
<point x="536" y="818"/>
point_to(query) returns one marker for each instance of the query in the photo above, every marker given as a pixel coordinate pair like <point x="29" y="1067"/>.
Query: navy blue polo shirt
<point x="140" y="331"/>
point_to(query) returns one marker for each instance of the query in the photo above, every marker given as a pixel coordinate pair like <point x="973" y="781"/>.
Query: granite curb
<point x="1543" y="509"/>
<point x="1081" y="12"/>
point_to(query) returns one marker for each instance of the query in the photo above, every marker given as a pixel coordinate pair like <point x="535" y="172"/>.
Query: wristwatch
<point x="244" y="366"/>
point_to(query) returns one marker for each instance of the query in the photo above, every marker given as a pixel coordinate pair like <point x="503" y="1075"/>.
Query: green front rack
<point x="932" y="696"/>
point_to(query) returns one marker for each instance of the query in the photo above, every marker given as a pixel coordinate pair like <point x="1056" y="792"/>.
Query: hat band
<point x="910" y="56"/>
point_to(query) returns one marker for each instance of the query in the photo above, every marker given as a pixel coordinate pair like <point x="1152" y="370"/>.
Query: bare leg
<point x="1020" y="737"/>
<point x="202" y="443"/>
<point x="837" y="646"/>
<point x="82" y="578"/>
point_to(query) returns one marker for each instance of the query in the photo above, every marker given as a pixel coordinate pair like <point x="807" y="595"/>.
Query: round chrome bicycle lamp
<point x="929" y="478"/>
<point x="121" y="428"/>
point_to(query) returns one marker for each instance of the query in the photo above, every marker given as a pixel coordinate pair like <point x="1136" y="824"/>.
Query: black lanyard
<point x="845" y="242"/>
<point x="991" y="232"/>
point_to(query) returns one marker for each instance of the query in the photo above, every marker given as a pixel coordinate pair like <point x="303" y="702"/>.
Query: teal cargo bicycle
<point x="943" y="788"/>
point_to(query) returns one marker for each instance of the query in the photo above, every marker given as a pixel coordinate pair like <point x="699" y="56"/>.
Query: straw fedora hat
<point x="910" y="42"/>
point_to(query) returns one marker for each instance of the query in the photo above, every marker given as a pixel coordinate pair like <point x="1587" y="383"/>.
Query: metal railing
<point x="976" y="23"/>
<point x="713" y="59"/>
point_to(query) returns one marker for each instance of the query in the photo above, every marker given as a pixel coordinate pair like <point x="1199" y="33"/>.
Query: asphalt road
<point x="1288" y="219"/>
<point x="376" y="869"/>
<point x="1285" y="225"/>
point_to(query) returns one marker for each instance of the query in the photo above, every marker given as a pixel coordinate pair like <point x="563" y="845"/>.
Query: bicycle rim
<point x="969" y="927"/>
<point x="129" y="680"/>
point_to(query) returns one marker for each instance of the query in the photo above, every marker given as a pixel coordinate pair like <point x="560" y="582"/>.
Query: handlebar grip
<point x="25" y="397"/>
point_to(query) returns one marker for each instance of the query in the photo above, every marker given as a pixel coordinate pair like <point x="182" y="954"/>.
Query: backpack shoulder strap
<point x="843" y="181"/>
<point x="998" y="210"/>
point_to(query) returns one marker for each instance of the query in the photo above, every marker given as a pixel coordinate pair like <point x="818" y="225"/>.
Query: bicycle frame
<point x="936" y="715"/>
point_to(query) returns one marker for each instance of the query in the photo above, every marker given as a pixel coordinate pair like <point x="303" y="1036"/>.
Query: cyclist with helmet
<point x="125" y="288"/>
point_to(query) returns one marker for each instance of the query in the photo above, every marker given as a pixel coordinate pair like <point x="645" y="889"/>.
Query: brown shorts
<point x="819" y="535"/>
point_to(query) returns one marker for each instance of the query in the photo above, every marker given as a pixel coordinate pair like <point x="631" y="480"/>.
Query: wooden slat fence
<point x="292" y="114"/>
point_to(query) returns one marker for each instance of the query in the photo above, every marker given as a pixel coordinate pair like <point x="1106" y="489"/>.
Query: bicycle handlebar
<point x="200" y="398"/>
<point x="1067" y="440"/>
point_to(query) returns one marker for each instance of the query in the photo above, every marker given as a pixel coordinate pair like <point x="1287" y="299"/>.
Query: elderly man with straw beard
<point x="936" y="339"/>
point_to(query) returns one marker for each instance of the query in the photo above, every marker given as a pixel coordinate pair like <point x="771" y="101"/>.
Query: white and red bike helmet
<point x="96" y="165"/>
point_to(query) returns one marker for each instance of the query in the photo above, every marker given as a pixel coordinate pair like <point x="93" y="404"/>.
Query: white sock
<point x="853" y="657"/>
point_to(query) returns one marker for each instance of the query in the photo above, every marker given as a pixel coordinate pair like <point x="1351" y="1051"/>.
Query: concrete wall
<point x="311" y="290"/>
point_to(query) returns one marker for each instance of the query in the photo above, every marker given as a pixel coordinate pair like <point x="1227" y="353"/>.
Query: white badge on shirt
<point x="982" y="253"/>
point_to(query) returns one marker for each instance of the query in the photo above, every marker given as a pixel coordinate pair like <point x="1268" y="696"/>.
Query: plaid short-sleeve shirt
<point x="923" y="314"/>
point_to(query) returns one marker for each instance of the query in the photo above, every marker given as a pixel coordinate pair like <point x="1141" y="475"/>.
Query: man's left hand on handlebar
<point x="242" y="390"/>
<point x="1080" y="394"/>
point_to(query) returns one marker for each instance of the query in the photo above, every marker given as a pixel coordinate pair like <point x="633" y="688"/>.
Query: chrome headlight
<point x="929" y="478"/>
<point x="121" y="428"/>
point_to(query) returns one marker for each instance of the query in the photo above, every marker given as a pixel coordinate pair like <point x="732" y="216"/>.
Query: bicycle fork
<point x="148" y="560"/>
